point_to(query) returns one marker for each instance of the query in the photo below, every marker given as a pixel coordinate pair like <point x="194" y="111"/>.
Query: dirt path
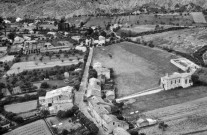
<point x="182" y="118"/>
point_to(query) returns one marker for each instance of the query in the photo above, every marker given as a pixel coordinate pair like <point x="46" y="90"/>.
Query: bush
<point x="44" y="85"/>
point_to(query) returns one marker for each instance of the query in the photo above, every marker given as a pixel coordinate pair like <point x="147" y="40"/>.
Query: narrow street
<point x="80" y="94"/>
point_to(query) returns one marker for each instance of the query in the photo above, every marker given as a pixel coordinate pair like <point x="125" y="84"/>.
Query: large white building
<point x="101" y="112"/>
<point x="176" y="80"/>
<point x="94" y="88"/>
<point x="59" y="99"/>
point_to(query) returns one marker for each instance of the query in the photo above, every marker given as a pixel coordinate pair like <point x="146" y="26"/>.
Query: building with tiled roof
<point x="59" y="99"/>
<point x="101" y="112"/>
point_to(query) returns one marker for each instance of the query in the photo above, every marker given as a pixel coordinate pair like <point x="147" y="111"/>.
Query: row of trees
<point x="14" y="99"/>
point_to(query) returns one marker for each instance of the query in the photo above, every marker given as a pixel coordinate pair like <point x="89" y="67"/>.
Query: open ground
<point x="21" y="107"/>
<point x="187" y="118"/>
<point x="136" y="67"/>
<point x="21" y="66"/>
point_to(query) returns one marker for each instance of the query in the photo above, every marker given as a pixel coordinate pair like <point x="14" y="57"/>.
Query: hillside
<point x="58" y="8"/>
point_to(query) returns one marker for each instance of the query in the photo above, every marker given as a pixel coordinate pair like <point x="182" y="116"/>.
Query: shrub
<point x="44" y="85"/>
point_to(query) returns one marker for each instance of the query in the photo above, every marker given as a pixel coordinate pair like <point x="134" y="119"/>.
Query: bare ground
<point x="136" y="67"/>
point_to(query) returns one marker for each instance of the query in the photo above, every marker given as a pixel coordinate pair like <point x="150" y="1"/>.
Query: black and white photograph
<point x="103" y="67"/>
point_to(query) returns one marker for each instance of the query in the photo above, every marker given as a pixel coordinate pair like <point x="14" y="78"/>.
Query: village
<point x="95" y="76"/>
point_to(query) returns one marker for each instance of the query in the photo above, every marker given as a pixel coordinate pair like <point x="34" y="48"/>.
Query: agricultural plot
<point x="186" y="41"/>
<point x="35" y="128"/>
<point x="21" y="107"/>
<point x="187" y="118"/>
<point x="136" y="67"/>
<point x="21" y="66"/>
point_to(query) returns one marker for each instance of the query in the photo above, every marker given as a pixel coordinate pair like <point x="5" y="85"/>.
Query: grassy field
<point x="136" y="67"/>
<point x="167" y="98"/>
<point x="21" y="107"/>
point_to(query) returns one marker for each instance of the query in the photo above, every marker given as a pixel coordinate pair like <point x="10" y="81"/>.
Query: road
<point x="139" y="94"/>
<point x="80" y="94"/>
<point x="185" y="118"/>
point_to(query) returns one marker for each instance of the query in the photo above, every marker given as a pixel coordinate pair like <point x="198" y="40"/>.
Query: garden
<point x="72" y="121"/>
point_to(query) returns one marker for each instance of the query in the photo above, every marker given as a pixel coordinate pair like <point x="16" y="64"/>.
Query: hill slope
<point x="58" y="8"/>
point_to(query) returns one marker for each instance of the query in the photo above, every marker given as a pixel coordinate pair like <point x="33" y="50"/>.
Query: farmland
<point x="184" y="118"/>
<point x="21" y="66"/>
<point x="136" y="67"/>
<point x="35" y="128"/>
<point x="186" y="41"/>
<point x="21" y="107"/>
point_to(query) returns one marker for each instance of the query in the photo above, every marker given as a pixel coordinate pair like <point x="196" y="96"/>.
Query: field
<point x="136" y="67"/>
<point x="21" y="107"/>
<point x="143" y="19"/>
<point x="21" y="66"/>
<point x="186" y="118"/>
<point x="186" y="41"/>
<point x="35" y="128"/>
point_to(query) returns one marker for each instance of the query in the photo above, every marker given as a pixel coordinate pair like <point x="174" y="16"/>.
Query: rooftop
<point x="61" y="91"/>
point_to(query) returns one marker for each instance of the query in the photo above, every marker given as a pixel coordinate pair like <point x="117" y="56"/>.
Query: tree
<point x="44" y="85"/>
<point x="41" y="92"/>
<point x="61" y="114"/>
<point x="45" y="113"/>
<point x="65" y="132"/>
<point x="11" y="36"/>
<point x="6" y="67"/>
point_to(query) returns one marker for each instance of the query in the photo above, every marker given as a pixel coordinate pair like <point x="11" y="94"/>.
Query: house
<point x="59" y="99"/>
<point x="110" y="95"/>
<point x="102" y="79"/>
<point x="16" y="90"/>
<point x="94" y="88"/>
<point x="101" y="70"/>
<point x="176" y="80"/>
<point x="100" y="111"/>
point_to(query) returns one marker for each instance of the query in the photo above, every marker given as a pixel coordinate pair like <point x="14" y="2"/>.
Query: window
<point x="171" y="82"/>
<point x="113" y="123"/>
<point x="186" y="81"/>
<point x="179" y="80"/>
<point x="175" y="81"/>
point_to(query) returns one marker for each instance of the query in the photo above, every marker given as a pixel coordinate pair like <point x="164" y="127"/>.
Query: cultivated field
<point x="167" y="98"/>
<point x="136" y="67"/>
<point x="21" y="107"/>
<point x="21" y="66"/>
<point x="186" y="118"/>
<point x="186" y="41"/>
<point x="35" y="128"/>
